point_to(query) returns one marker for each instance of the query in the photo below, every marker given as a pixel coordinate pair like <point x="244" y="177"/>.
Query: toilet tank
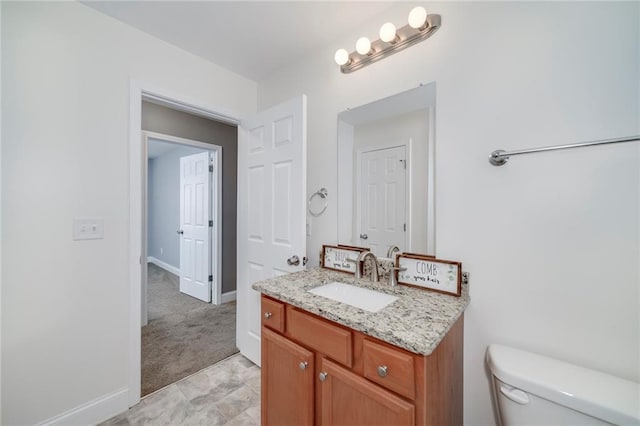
<point x="532" y="389"/>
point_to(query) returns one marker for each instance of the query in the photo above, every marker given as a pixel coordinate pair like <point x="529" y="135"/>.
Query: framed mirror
<point x="386" y="159"/>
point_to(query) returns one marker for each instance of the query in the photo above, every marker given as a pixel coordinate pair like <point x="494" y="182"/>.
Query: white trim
<point x="137" y="91"/>
<point x="227" y="297"/>
<point x="135" y="240"/>
<point x="182" y="141"/>
<point x="94" y="411"/>
<point x="164" y="265"/>
<point x="189" y="108"/>
<point x="144" y="290"/>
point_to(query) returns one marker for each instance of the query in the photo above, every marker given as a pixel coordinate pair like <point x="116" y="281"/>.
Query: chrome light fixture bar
<point x="420" y="27"/>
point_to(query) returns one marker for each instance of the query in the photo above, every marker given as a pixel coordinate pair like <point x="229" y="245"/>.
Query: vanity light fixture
<point x="420" y="27"/>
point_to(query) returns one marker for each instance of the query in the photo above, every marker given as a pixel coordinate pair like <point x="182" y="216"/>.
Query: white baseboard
<point x="229" y="296"/>
<point x="164" y="265"/>
<point x="93" y="412"/>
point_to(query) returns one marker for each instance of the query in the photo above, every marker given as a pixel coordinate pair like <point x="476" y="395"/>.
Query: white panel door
<point x="271" y="208"/>
<point x="382" y="191"/>
<point x="195" y="234"/>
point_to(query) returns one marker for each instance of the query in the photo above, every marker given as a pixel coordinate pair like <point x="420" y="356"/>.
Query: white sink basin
<point x="362" y="298"/>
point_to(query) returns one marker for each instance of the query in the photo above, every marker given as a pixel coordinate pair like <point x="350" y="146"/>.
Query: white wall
<point x="551" y="240"/>
<point x="65" y="304"/>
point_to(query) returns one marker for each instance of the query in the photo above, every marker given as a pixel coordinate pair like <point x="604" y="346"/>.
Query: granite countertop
<point x="417" y="321"/>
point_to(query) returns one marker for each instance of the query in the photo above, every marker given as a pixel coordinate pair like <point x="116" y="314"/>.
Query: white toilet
<point x="531" y="389"/>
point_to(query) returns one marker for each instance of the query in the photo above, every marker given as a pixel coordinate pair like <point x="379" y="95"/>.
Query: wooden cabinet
<point x="315" y="371"/>
<point x="287" y="381"/>
<point x="348" y="399"/>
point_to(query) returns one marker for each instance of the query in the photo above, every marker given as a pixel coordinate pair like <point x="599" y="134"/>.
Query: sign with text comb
<point x="442" y="276"/>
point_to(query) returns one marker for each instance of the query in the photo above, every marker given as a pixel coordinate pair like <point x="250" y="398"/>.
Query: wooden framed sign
<point x="353" y="247"/>
<point x="335" y="257"/>
<point x="442" y="276"/>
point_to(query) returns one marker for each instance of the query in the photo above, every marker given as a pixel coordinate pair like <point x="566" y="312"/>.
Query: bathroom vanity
<point x="326" y="362"/>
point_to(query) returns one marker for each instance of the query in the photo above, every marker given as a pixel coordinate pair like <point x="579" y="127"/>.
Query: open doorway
<point x="188" y="296"/>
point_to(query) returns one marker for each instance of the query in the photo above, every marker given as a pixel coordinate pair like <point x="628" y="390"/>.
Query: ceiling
<point x="252" y="39"/>
<point x="156" y="148"/>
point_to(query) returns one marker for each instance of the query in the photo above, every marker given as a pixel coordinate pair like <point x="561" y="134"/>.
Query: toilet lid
<point x="597" y="394"/>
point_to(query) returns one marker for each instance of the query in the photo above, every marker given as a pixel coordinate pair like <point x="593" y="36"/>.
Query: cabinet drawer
<point x="389" y="367"/>
<point x="273" y="314"/>
<point x="322" y="336"/>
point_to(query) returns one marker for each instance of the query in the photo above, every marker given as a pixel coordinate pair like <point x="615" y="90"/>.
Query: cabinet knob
<point x="303" y="365"/>
<point x="323" y="376"/>
<point x="382" y="371"/>
<point x="268" y="315"/>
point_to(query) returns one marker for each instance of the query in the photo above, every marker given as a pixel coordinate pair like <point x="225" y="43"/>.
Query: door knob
<point x="180" y="231"/>
<point x="364" y="236"/>
<point x="293" y="261"/>
<point x="303" y="365"/>
<point x="323" y="376"/>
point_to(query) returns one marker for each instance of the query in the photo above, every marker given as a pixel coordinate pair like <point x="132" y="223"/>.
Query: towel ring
<point x="322" y="193"/>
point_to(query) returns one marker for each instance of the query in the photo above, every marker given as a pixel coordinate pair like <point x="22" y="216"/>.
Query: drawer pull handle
<point x="382" y="371"/>
<point x="323" y="376"/>
<point x="268" y="315"/>
<point x="303" y="365"/>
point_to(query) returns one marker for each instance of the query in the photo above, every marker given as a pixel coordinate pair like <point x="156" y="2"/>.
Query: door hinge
<point x="405" y="227"/>
<point x="211" y="223"/>
<point x="210" y="168"/>
<point x="210" y="278"/>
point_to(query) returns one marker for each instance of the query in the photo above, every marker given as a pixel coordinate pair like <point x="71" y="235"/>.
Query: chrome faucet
<point x="392" y="250"/>
<point x="375" y="277"/>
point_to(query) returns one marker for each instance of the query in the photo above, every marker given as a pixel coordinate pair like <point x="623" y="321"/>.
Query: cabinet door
<point x="287" y="382"/>
<point x="348" y="399"/>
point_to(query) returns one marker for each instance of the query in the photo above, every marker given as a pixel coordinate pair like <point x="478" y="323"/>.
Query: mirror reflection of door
<point x="404" y="119"/>
<point x="382" y="189"/>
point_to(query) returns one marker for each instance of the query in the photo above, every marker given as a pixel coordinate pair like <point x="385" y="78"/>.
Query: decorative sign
<point x="354" y="247"/>
<point x="335" y="257"/>
<point x="442" y="276"/>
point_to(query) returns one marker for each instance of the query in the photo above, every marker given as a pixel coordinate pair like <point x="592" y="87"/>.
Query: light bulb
<point x="417" y="17"/>
<point x="363" y="46"/>
<point x="388" y="32"/>
<point x="341" y="56"/>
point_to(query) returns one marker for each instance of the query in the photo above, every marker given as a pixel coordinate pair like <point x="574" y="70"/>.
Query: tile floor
<point x="226" y="393"/>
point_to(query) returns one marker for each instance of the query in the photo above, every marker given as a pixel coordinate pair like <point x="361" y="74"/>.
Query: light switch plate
<point x="88" y="228"/>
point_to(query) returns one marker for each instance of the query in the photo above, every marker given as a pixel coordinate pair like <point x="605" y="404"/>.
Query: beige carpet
<point x="184" y="334"/>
